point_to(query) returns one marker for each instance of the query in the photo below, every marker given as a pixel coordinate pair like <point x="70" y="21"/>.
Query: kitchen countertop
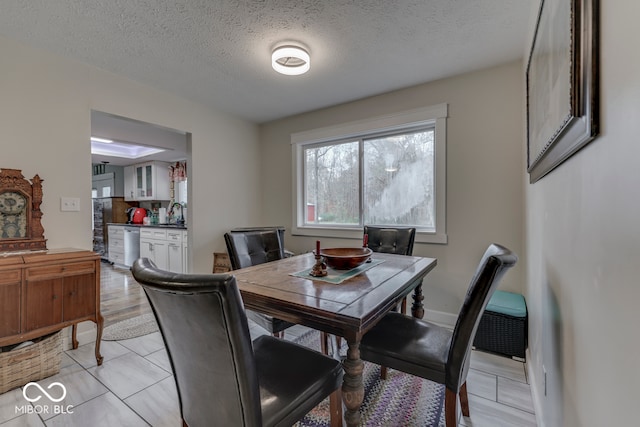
<point x="176" y="226"/>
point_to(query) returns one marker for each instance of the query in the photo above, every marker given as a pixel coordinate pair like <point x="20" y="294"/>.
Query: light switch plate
<point x="69" y="204"/>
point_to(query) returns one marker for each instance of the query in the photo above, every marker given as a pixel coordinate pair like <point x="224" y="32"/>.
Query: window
<point x="385" y="171"/>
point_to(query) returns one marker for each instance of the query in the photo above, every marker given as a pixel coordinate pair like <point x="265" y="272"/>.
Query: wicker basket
<point x="502" y="334"/>
<point x="32" y="363"/>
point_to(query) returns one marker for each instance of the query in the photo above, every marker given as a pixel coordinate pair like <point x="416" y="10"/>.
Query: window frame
<point x="435" y="115"/>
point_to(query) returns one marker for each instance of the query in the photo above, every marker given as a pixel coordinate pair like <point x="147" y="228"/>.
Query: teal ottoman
<point x="503" y="326"/>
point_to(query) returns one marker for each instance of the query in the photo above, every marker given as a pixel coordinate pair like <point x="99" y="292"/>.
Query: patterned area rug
<point x="401" y="400"/>
<point x="130" y="328"/>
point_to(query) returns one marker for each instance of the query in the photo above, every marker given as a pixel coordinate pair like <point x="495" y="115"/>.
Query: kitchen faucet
<point x="180" y="220"/>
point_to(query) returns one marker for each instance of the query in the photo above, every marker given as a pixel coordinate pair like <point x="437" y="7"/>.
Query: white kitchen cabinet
<point x="154" y="245"/>
<point x="185" y="252"/>
<point x="147" y="181"/>
<point x="175" y="257"/>
<point x="174" y="249"/>
<point x="123" y="245"/>
<point x="116" y="244"/>
<point x="166" y="247"/>
<point x="129" y="183"/>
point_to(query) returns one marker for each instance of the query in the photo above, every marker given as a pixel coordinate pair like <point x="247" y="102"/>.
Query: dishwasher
<point x="131" y="245"/>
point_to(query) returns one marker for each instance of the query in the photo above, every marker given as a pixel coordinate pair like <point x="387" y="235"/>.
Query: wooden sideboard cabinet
<point x="45" y="291"/>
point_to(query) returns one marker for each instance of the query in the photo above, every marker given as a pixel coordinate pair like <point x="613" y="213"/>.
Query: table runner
<point x="338" y="276"/>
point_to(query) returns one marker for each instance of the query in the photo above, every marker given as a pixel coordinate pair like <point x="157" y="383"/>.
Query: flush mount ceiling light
<point x="290" y="60"/>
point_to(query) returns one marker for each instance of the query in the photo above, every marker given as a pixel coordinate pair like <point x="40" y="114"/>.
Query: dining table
<point x="344" y="303"/>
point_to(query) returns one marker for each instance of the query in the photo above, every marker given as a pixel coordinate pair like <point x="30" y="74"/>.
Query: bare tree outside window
<point x="398" y="180"/>
<point x="332" y="184"/>
<point x="396" y="172"/>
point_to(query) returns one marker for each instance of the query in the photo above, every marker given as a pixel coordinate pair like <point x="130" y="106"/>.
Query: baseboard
<point x="535" y="393"/>
<point x="441" y="318"/>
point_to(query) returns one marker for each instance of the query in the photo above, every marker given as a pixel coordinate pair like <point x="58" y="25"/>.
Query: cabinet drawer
<point x="116" y="244"/>
<point x="10" y="276"/>
<point x="116" y="257"/>
<point x="115" y="232"/>
<point x="174" y="236"/>
<point x="153" y="233"/>
<point x="60" y="270"/>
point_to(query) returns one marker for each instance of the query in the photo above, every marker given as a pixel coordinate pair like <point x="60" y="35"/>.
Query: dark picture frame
<point x="562" y="83"/>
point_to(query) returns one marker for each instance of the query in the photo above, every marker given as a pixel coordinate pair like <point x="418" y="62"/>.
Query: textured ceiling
<point x="218" y="52"/>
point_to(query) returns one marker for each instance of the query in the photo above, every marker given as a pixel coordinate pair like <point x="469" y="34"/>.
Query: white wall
<point x="583" y="245"/>
<point x="484" y="172"/>
<point x="45" y="106"/>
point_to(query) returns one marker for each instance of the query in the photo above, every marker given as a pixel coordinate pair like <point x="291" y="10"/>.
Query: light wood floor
<point x="121" y="297"/>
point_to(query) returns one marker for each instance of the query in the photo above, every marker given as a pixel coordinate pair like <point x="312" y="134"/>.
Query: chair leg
<point x="324" y="343"/>
<point x="325" y="339"/>
<point x="403" y="306"/>
<point x="279" y="334"/>
<point x="383" y="372"/>
<point x="335" y="408"/>
<point x="450" y="408"/>
<point x="464" y="399"/>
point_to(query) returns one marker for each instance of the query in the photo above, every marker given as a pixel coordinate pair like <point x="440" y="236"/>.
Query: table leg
<point x="353" y="385"/>
<point x="417" y="309"/>
<point x="99" y="326"/>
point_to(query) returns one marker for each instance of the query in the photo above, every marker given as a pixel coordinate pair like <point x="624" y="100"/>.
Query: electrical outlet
<point x="69" y="204"/>
<point x="544" y="379"/>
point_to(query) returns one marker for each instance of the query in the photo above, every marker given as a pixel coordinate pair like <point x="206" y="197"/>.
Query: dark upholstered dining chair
<point x="385" y="239"/>
<point x="280" y="229"/>
<point x="222" y="377"/>
<point x="391" y="240"/>
<point x="433" y="352"/>
<point x="253" y="247"/>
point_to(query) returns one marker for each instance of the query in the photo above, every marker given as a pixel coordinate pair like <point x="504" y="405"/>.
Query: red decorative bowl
<point x="345" y="258"/>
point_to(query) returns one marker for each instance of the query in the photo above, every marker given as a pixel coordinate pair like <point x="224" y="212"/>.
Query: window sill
<point x="356" y="234"/>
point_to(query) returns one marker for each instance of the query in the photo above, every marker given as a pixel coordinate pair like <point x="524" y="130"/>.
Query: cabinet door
<point x="140" y="183"/>
<point x="175" y="257"/>
<point x="146" y="249"/>
<point x="144" y="181"/>
<point x="10" y="297"/>
<point x="185" y="251"/>
<point x="161" y="252"/>
<point x="162" y="184"/>
<point x="129" y="183"/>
<point x="156" y="251"/>
<point x="79" y="298"/>
<point x="148" y="182"/>
<point x="43" y="303"/>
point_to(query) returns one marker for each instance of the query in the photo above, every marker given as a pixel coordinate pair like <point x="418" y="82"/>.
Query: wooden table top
<point x="348" y="309"/>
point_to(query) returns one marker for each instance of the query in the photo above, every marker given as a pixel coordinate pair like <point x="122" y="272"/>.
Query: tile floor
<point x="135" y="387"/>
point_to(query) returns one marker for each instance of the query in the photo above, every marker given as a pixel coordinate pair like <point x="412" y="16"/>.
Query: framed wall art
<point x="562" y="84"/>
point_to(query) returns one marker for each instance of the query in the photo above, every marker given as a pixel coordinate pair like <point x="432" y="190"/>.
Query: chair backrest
<point x="391" y="240"/>
<point x="494" y="263"/>
<point x="280" y="229"/>
<point x="206" y="335"/>
<point x="247" y="248"/>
